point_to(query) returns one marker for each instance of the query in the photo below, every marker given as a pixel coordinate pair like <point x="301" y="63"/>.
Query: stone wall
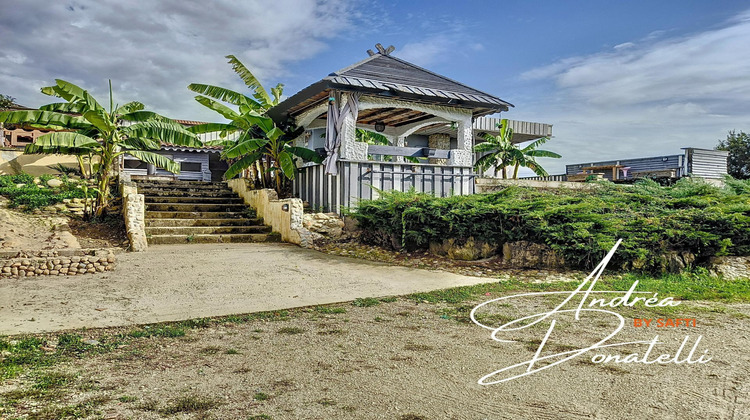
<point x="55" y="263"/>
<point x="134" y="213"/>
<point x="439" y="141"/>
<point x="323" y="225"/>
<point x="731" y="268"/>
<point x="285" y="216"/>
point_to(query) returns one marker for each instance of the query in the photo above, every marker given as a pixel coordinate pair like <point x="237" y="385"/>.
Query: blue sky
<point x="616" y="79"/>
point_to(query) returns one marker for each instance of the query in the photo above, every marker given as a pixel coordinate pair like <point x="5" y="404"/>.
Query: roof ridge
<point x="443" y="77"/>
<point x="357" y="64"/>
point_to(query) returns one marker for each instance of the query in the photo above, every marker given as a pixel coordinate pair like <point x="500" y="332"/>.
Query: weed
<point x="210" y="350"/>
<point x="330" y="309"/>
<point x="365" y="302"/>
<point x="326" y="402"/>
<point x="290" y="330"/>
<point x="261" y="396"/>
<point x="127" y="399"/>
<point x="189" y="404"/>
<point x="231" y="351"/>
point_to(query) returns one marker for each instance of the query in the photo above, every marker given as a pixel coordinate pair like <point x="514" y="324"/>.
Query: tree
<point x="502" y="153"/>
<point x="7" y="101"/>
<point x="259" y="145"/>
<point x="738" y="146"/>
<point x="86" y="128"/>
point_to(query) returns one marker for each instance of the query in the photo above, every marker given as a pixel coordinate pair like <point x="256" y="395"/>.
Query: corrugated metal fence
<point x="360" y="180"/>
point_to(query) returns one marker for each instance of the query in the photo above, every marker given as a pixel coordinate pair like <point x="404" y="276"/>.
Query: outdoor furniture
<point x="659" y="173"/>
<point x="613" y="168"/>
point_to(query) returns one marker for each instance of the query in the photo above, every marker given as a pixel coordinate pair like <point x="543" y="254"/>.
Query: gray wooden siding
<point x="356" y="179"/>
<point x="707" y="163"/>
<point x="639" y="164"/>
<point x="199" y="158"/>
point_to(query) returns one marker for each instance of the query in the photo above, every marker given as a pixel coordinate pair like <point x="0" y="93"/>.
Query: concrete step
<point x="197" y="215"/>
<point x="202" y="239"/>
<point x="193" y="207"/>
<point x="200" y="200"/>
<point x="203" y="222"/>
<point x="185" y="193"/>
<point x="180" y="186"/>
<point x="202" y="230"/>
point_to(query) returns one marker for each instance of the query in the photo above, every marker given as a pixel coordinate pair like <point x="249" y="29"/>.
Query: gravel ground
<point x="401" y="360"/>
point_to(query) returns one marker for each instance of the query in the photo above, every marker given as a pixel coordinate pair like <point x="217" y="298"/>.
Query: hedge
<point x="579" y="225"/>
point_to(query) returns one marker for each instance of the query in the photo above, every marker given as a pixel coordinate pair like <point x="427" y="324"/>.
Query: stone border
<point x="284" y="216"/>
<point x="134" y="213"/>
<point x="63" y="262"/>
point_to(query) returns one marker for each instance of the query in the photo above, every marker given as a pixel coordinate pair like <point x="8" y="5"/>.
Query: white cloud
<point x="153" y="50"/>
<point x="647" y="97"/>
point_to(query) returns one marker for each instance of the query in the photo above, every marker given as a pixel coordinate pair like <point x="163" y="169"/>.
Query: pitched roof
<point x="392" y="77"/>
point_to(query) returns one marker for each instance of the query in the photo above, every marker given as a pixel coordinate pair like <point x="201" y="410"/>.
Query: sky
<point x="615" y="79"/>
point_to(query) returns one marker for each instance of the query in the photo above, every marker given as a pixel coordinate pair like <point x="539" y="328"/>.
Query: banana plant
<point x="501" y="153"/>
<point x="250" y="139"/>
<point x="273" y="148"/>
<point x="86" y="128"/>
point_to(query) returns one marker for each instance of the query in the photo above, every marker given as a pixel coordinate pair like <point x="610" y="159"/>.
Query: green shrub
<point x="31" y="196"/>
<point x="580" y="225"/>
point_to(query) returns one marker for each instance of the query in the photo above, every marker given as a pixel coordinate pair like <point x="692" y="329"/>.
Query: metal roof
<point x="385" y="75"/>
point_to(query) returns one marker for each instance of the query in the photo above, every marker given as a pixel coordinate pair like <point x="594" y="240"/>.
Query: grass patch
<point x="330" y="310"/>
<point x="189" y="404"/>
<point x="365" y="302"/>
<point x="291" y="330"/>
<point x="127" y="399"/>
<point x="158" y="331"/>
<point x="260" y="417"/>
<point x="231" y="351"/>
<point x="261" y="396"/>
<point x="51" y="380"/>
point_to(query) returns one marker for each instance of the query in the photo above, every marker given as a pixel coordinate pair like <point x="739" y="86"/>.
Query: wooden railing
<point x="362" y="180"/>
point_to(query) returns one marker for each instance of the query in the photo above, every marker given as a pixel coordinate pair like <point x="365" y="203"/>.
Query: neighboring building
<point x="196" y="164"/>
<point x="703" y="163"/>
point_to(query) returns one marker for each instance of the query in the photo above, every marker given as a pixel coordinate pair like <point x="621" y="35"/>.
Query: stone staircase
<point x="179" y="212"/>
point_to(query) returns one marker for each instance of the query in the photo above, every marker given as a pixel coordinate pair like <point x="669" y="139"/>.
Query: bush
<point x="33" y="197"/>
<point x="581" y="226"/>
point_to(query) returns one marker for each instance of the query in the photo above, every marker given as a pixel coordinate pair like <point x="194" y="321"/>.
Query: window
<point x="190" y="167"/>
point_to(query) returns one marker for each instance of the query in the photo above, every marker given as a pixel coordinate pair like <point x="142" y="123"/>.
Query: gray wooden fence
<point x="361" y="180"/>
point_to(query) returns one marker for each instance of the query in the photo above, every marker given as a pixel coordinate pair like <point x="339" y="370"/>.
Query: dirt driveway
<point x="175" y="282"/>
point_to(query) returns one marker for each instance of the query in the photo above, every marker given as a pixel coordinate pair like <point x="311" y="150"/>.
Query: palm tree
<point x="528" y="157"/>
<point x="502" y="153"/>
<point x="86" y="128"/>
<point x="259" y="144"/>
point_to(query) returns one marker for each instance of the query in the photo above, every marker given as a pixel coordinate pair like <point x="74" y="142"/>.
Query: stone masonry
<point x="56" y="263"/>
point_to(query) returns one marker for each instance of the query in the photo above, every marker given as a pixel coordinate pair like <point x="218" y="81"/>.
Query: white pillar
<point x="462" y="155"/>
<point x="400" y="142"/>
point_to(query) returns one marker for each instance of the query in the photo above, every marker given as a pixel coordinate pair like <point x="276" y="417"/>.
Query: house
<point x="429" y="120"/>
<point x="703" y="163"/>
<point x="196" y="164"/>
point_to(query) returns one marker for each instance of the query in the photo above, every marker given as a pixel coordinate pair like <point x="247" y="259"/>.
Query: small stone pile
<point x="50" y="263"/>
<point x="327" y="225"/>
